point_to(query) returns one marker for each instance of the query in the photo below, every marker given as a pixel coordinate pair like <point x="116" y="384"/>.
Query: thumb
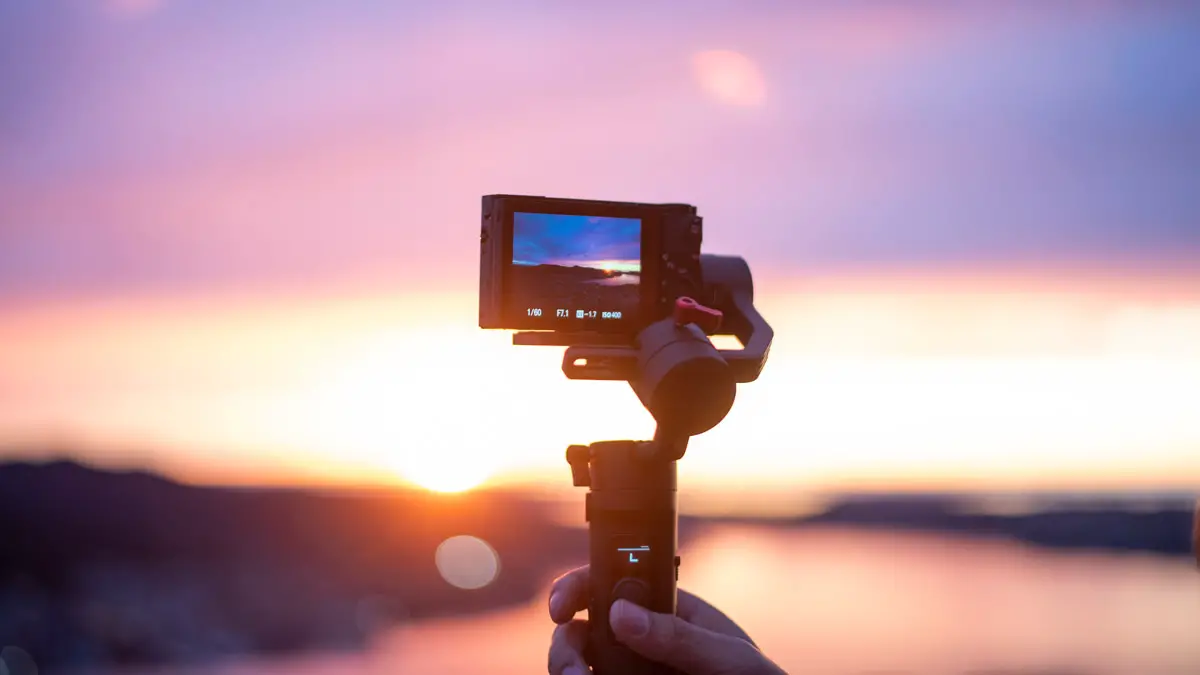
<point x="672" y="641"/>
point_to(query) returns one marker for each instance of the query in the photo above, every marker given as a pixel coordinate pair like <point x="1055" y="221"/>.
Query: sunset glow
<point x="1049" y="383"/>
<point x="376" y="403"/>
<point x="972" y="230"/>
<point x="613" y="265"/>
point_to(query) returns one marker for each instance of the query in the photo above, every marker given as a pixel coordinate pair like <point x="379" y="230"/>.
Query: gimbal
<point x="688" y="385"/>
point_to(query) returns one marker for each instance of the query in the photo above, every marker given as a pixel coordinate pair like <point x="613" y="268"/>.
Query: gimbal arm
<point x="728" y="287"/>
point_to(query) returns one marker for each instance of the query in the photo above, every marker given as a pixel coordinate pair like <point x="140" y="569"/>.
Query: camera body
<point x="588" y="270"/>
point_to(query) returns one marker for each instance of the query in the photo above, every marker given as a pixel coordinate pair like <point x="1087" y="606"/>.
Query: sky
<point x="547" y="238"/>
<point x="238" y="242"/>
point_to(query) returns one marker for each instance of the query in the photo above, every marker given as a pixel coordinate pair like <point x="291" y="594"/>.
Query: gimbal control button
<point x="688" y="311"/>
<point x="633" y="590"/>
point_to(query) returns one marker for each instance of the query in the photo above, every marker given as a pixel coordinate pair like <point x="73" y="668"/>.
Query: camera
<point x="585" y="268"/>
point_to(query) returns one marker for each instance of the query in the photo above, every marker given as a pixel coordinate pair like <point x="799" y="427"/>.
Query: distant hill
<point x="556" y="287"/>
<point x="130" y="567"/>
<point x="1162" y="527"/>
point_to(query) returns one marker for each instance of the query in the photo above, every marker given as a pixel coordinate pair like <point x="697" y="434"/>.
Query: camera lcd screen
<point x="575" y="267"/>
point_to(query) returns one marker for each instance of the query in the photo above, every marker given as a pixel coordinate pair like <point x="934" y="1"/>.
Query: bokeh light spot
<point x="16" y="661"/>
<point x="467" y="562"/>
<point x="730" y="77"/>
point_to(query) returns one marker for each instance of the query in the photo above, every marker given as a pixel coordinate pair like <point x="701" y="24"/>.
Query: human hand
<point x="699" y="640"/>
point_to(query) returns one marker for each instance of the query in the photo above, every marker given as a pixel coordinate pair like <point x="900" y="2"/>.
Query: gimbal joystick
<point x="688" y="385"/>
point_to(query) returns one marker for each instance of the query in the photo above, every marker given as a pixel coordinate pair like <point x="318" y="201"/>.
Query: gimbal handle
<point x="632" y="520"/>
<point x="688" y="386"/>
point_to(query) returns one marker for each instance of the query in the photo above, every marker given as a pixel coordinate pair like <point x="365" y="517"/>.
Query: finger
<point x="569" y="595"/>
<point x="667" y="639"/>
<point x="566" y="649"/>
<point x="699" y="613"/>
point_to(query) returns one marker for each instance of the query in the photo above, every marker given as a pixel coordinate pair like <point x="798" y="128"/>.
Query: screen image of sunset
<point x="249" y="423"/>
<point x="573" y="263"/>
<point x="596" y="242"/>
<point x="626" y="266"/>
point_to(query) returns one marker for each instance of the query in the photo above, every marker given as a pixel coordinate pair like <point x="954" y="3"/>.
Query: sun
<point x="442" y="472"/>
<point x="387" y="408"/>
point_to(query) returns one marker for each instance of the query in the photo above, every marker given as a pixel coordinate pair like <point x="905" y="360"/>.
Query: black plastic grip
<point x="632" y="521"/>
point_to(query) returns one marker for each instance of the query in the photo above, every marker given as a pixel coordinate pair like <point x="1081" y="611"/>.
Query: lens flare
<point x="467" y="562"/>
<point x="730" y="77"/>
<point x="16" y="661"/>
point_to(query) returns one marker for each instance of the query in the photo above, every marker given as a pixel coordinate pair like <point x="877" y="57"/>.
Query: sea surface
<point x="852" y="601"/>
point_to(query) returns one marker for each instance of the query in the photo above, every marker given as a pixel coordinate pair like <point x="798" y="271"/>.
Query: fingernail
<point x="629" y="619"/>
<point x="555" y="603"/>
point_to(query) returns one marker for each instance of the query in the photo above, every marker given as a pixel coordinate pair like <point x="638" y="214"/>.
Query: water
<point x="841" y="601"/>
<point x="619" y="280"/>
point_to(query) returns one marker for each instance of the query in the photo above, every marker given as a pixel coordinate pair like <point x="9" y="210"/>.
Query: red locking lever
<point x="688" y="311"/>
